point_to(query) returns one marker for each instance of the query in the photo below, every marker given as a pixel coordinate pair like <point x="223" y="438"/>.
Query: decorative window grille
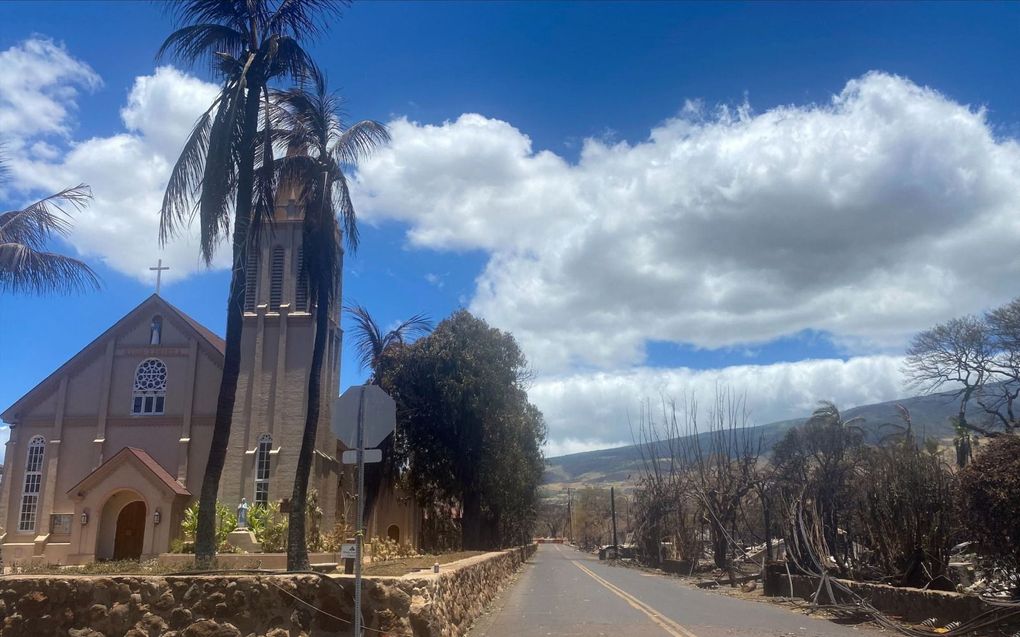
<point x="301" y="294"/>
<point x="149" y="396"/>
<point x="156" y="330"/>
<point x="251" y="280"/>
<point x="262" y="470"/>
<point x="33" y="485"/>
<point x="276" y="280"/>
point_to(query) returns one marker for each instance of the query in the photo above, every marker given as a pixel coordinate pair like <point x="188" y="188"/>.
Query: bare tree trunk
<point x="471" y="525"/>
<point x="297" y="549"/>
<point x="205" y="533"/>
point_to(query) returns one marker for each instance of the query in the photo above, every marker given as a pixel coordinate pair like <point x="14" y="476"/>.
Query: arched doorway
<point x="393" y="533"/>
<point x="130" y="534"/>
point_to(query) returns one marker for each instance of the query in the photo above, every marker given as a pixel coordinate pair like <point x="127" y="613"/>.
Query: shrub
<point x="226" y="521"/>
<point x="387" y="549"/>
<point x="990" y="500"/>
<point x="331" y="540"/>
<point x="269" y="527"/>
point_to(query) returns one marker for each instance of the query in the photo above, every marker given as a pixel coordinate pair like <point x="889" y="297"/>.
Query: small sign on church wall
<point x="60" y="523"/>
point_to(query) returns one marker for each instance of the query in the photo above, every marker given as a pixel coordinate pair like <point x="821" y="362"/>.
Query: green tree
<point x="370" y="343"/>
<point x="324" y="145"/>
<point x="25" y="264"/>
<point x="249" y="45"/>
<point x="466" y="431"/>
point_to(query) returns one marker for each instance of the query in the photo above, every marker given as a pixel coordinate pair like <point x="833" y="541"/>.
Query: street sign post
<point x="362" y="417"/>
<point x="371" y="455"/>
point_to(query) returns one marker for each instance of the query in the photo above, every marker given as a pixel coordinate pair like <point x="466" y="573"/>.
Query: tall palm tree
<point x="250" y="44"/>
<point x="370" y="343"/>
<point x="320" y="147"/>
<point x="25" y="265"/>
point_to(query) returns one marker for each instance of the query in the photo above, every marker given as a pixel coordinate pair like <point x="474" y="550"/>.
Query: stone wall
<point x="909" y="604"/>
<point x="421" y="605"/>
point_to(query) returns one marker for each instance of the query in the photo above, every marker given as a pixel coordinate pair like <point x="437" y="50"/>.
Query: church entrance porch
<point x="127" y="509"/>
<point x="130" y="531"/>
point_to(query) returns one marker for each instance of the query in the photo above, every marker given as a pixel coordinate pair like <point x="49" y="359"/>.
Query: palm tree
<point x="249" y="45"/>
<point x="25" y="265"/>
<point x="320" y="146"/>
<point x="370" y="344"/>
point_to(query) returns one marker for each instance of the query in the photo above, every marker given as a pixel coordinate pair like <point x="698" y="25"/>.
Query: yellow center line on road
<point x="671" y="627"/>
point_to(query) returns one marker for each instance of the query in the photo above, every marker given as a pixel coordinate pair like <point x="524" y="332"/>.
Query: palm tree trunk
<point x="205" y="533"/>
<point x="297" y="549"/>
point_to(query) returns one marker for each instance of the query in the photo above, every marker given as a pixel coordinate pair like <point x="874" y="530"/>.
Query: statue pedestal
<point x="244" y="540"/>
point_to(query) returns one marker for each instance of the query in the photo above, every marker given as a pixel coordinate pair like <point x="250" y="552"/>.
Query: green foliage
<point x="466" y="431"/>
<point x="226" y="521"/>
<point x="269" y="526"/>
<point x="990" y="500"/>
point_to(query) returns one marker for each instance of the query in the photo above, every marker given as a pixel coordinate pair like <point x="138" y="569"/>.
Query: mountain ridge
<point x="929" y="413"/>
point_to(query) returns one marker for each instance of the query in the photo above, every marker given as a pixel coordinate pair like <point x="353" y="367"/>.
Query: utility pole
<point x="570" y="518"/>
<point x="612" y="508"/>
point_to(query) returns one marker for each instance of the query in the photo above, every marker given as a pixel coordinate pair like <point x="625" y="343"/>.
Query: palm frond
<point x="25" y="266"/>
<point x="264" y="204"/>
<point x="186" y="178"/>
<point x="34" y="224"/>
<point x="229" y="12"/>
<point x="286" y="57"/>
<point x="345" y="208"/>
<point x="219" y="174"/>
<point x="368" y="338"/>
<point x="195" y="42"/>
<point x="418" y="325"/>
<point x="24" y="270"/>
<point x="358" y="141"/>
<point x="305" y="18"/>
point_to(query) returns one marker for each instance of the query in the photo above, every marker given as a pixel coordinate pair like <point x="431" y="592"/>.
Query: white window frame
<point x="148" y="399"/>
<point x="32" y="485"/>
<point x="262" y="468"/>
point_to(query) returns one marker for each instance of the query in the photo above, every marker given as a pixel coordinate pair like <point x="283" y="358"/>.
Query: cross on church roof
<point x="159" y="267"/>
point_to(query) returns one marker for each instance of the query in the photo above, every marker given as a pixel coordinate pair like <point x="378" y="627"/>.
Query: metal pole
<point x="612" y="507"/>
<point x="570" y="518"/>
<point x="360" y="534"/>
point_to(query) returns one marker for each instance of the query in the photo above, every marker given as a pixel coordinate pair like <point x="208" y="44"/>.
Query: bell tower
<point x="276" y="353"/>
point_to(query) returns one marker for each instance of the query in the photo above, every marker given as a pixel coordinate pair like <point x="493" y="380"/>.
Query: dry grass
<point x="406" y="565"/>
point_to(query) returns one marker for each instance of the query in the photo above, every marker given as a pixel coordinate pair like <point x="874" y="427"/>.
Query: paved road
<point x="567" y="593"/>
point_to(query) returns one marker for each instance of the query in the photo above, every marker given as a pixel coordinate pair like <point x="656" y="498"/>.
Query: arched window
<point x="301" y="293"/>
<point x="156" y="330"/>
<point x="149" y="396"/>
<point x="251" y="280"/>
<point x="33" y="484"/>
<point x="276" y="280"/>
<point x="262" y="470"/>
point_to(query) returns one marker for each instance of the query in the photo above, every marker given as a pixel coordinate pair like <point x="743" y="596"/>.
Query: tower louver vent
<point x="276" y="280"/>
<point x="301" y="294"/>
<point x="251" y="279"/>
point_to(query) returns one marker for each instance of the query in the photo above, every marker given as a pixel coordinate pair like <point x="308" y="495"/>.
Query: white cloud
<point x="594" y="410"/>
<point x="127" y="170"/>
<point x="867" y="218"/>
<point x="39" y="81"/>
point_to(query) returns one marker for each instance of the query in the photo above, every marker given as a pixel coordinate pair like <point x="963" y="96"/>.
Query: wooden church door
<point x="127" y="544"/>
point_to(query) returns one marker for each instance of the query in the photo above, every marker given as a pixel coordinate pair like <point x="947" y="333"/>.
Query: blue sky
<point x="654" y="197"/>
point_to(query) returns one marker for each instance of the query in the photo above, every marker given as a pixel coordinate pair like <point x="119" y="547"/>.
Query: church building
<point x="107" y="452"/>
